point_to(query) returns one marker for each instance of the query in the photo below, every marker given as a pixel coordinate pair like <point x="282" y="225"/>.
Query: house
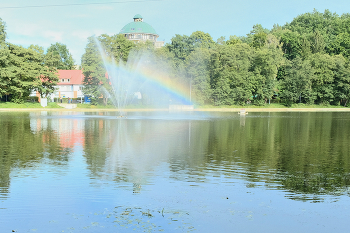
<point x="70" y="85"/>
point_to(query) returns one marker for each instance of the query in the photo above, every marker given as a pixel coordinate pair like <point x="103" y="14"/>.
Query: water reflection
<point x="306" y="154"/>
<point x="24" y="143"/>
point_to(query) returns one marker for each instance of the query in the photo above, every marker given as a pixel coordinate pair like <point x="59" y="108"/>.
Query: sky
<point x="73" y="24"/>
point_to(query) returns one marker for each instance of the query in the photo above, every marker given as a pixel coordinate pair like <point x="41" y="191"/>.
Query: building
<point x="139" y="31"/>
<point x="70" y="85"/>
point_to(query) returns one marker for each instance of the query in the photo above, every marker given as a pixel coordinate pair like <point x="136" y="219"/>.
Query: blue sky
<point x="71" y="25"/>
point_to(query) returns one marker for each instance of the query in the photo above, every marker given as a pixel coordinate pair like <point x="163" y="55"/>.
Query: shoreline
<point x="163" y="110"/>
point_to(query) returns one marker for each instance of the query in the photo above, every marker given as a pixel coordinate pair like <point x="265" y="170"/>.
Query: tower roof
<point x="138" y="27"/>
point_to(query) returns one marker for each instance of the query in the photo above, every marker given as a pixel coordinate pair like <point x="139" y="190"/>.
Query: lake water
<point x="174" y="172"/>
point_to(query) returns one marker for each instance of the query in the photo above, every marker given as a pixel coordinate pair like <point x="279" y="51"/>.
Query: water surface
<point x="174" y="172"/>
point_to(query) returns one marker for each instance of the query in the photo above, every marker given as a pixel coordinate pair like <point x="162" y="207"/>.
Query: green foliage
<point x="60" y="56"/>
<point x="117" y="46"/>
<point x="305" y="61"/>
<point x="231" y="79"/>
<point x="233" y="40"/>
<point x="93" y="70"/>
<point x="297" y="82"/>
<point x="198" y="74"/>
<point x="25" y="70"/>
<point x="341" y="80"/>
<point x="322" y="82"/>
<point x="2" y="31"/>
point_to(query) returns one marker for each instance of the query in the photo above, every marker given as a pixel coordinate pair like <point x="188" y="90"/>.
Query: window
<point x="132" y="29"/>
<point x="62" y="80"/>
<point x="68" y="80"/>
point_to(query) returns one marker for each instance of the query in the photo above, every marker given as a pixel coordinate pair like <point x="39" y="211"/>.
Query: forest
<point x="305" y="61"/>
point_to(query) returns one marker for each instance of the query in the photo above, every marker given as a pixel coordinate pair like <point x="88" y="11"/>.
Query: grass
<point x="89" y="106"/>
<point x="272" y="106"/>
<point x="27" y="105"/>
<point x="24" y="105"/>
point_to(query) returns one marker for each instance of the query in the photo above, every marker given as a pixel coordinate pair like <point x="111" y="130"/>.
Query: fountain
<point x="143" y="81"/>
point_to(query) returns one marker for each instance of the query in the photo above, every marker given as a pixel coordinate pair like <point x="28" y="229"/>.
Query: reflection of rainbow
<point x="157" y="79"/>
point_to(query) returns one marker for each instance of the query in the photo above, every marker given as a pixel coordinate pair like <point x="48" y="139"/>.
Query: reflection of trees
<point x="130" y="149"/>
<point x="21" y="147"/>
<point x="305" y="153"/>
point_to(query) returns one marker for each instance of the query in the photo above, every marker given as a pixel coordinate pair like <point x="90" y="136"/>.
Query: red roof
<point x="74" y="76"/>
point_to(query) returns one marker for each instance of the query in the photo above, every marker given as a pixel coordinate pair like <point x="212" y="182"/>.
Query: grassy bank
<point x="27" y="105"/>
<point x="270" y="106"/>
<point x="8" y="106"/>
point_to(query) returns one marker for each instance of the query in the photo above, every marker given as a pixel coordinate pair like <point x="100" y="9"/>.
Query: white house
<point x="70" y="85"/>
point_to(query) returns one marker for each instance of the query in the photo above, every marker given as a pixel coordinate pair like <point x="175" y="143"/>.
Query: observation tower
<point x="139" y="31"/>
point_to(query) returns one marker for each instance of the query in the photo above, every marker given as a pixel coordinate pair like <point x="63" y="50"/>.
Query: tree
<point x="4" y="61"/>
<point x="201" y="40"/>
<point x="342" y="80"/>
<point x="297" y="82"/>
<point x="93" y="70"/>
<point x="341" y="45"/>
<point x="233" y="40"/>
<point x="230" y="77"/>
<point x="259" y="40"/>
<point x="265" y="65"/>
<point x="64" y="60"/>
<point x="48" y="73"/>
<point x="117" y="46"/>
<point x="291" y="44"/>
<point x="23" y="72"/>
<point x="322" y="82"/>
<point x="198" y="75"/>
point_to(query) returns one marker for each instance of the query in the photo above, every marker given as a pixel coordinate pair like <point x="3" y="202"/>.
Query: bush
<point x="33" y="99"/>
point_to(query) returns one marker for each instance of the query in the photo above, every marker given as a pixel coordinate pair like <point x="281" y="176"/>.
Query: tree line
<point x="304" y="61"/>
<point x="23" y="70"/>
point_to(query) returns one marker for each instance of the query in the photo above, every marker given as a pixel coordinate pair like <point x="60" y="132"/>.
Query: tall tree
<point x="4" y="61"/>
<point x="48" y="72"/>
<point x="296" y="84"/>
<point x="65" y="60"/>
<point x="341" y="80"/>
<point x="23" y="72"/>
<point x="93" y="70"/>
<point x="322" y="82"/>
<point x="116" y="46"/>
<point x="198" y="75"/>
<point x="231" y="80"/>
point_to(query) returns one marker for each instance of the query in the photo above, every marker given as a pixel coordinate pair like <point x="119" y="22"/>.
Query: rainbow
<point x="157" y="79"/>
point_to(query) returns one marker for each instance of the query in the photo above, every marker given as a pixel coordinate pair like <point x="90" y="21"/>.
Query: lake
<point x="174" y="172"/>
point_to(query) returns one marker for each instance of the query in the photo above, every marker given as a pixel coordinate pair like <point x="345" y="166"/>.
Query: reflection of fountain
<point x="138" y="147"/>
<point x="142" y="80"/>
<point x="242" y="120"/>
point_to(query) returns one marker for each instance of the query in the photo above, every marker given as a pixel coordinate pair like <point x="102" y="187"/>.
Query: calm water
<point x="154" y="172"/>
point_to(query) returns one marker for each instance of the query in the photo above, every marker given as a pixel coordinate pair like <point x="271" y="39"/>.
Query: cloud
<point x="53" y="35"/>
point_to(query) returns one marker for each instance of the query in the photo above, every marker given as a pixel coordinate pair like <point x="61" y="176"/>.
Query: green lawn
<point x="271" y="106"/>
<point x="27" y="105"/>
<point x="89" y="106"/>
